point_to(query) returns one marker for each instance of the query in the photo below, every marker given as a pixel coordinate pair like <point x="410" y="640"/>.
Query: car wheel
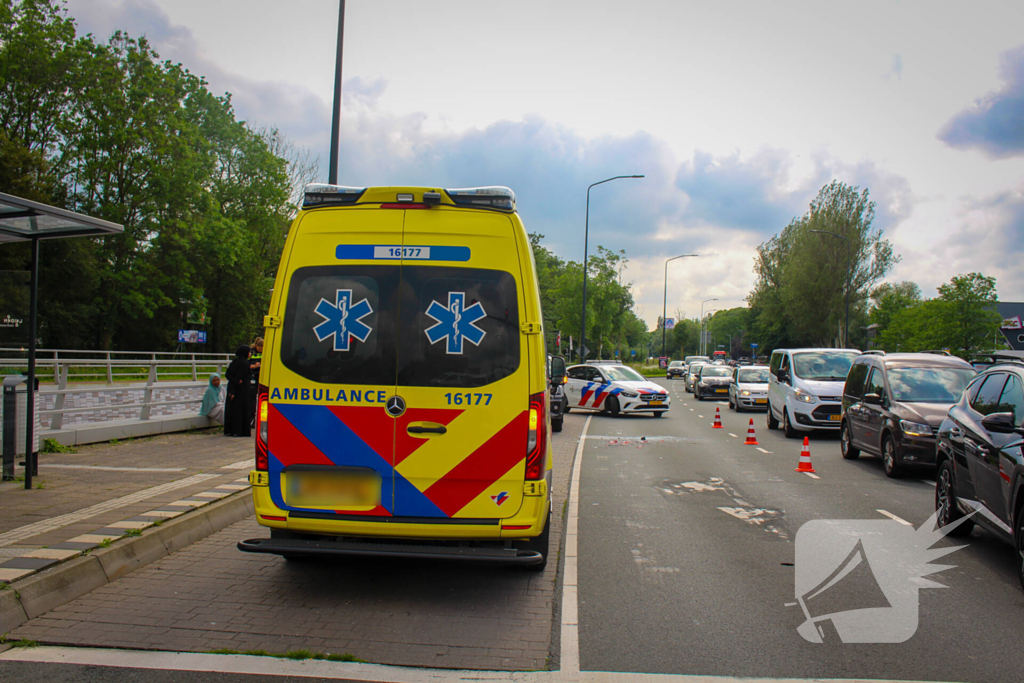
<point x="891" y="457"/>
<point x="772" y="422"/>
<point x="946" y="509"/>
<point x="659" y="413"/>
<point x="566" y="410"/>
<point x="787" y="426"/>
<point x="1020" y="547"/>
<point x="556" y="425"/>
<point x="612" y="405"/>
<point x="540" y="545"/>
<point x="846" y="447"/>
<point x="731" y="406"/>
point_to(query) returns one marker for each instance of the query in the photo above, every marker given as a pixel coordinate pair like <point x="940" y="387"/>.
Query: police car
<point x="612" y="388"/>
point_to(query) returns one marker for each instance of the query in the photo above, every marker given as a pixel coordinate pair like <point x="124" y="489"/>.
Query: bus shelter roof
<point x="23" y="219"/>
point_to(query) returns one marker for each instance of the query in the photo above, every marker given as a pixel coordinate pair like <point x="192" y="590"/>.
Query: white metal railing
<point x="118" y="371"/>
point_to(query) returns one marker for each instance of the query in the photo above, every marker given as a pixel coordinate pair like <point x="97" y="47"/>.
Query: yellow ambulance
<point x="403" y="405"/>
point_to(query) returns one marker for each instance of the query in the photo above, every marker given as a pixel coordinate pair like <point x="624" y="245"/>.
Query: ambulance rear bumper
<point x="317" y="547"/>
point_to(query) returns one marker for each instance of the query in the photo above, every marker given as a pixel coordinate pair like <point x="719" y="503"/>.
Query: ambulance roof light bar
<point x="323" y="194"/>
<point x="495" y="197"/>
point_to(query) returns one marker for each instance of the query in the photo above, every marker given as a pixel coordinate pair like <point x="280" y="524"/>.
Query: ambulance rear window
<point x="339" y="324"/>
<point x="459" y="328"/>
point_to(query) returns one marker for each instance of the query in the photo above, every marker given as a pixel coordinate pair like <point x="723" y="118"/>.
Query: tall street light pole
<point x="700" y="346"/>
<point x="846" y="332"/>
<point x="706" y="333"/>
<point x="586" y="240"/>
<point x="664" y="300"/>
<point x="332" y="172"/>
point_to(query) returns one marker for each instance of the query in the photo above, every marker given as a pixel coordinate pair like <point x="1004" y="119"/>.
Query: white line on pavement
<point x="812" y="475"/>
<point x="892" y="516"/>
<point x="117" y="469"/>
<point x="240" y="465"/>
<point x="14" y="535"/>
<point x="732" y="435"/>
<point x="764" y="451"/>
<point x="569" y="661"/>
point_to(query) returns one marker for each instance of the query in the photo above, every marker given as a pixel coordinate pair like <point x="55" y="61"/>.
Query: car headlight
<point x="629" y="394"/>
<point x="744" y="393"/>
<point x="804" y="397"/>
<point x="915" y="428"/>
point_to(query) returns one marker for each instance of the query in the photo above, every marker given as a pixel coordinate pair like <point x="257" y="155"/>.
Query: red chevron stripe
<point x="483" y="467"/>
<point x="289" y="445"/>
<point x="371" y="424"/>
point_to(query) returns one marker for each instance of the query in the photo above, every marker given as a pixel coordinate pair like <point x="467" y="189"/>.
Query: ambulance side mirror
<point x="557" y="370"/>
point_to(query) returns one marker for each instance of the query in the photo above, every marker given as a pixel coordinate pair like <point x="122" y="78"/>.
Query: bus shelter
<point x="22" y="220"/>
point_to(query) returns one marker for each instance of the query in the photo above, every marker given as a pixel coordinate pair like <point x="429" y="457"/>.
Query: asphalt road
<point x="670" y="582"/>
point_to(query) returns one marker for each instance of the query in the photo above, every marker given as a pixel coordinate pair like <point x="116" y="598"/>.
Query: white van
<point x="805" y="388"/>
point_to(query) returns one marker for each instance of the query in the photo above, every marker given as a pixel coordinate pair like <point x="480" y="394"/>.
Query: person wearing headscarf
<point x="236" y="406"/>
<point x="213" y="401"/>
<point x="255" y="360"/>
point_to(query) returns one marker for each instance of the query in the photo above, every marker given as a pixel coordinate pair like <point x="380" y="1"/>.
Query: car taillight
<point x="262" y="410"/>
<point x="536" y="440"/>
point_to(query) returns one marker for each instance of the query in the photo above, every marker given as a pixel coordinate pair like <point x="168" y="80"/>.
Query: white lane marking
<point x="29" y="530"/>
<point x="764" y="451"/>
<point x="116" y="469"/>
<point x="570" y="639"/>
<point x="812" y="475"/>
<point x="691" y="410"/>
<point x="701" y="416"/>
<point x="309" y="668"/>
<point x="240" y="465"/>
<point x="732" y="435"/>
<point x="894" y="517"/>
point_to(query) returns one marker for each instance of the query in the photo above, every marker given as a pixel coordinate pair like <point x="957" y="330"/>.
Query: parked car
<point x="892" y="405"/>
<point x="980" y="459"/>
<point x="556" y="391"/>
<point x="805" y="388"/>
<point x="712" y="381"/>
<point x="691" y="373"/>
<point x="749" y="388"/>
<point x="675" y="369"/>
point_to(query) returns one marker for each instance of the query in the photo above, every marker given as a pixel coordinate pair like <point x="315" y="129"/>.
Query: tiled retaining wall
<point x="114" y="404"/>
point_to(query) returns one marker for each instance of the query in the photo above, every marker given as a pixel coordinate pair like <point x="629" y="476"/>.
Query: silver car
<point x="749" y="388"/>
<point x="691" y="374"/>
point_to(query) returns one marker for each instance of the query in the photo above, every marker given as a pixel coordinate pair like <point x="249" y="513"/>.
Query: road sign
<point x="584" y="352"/>
<point x="753" y="346"/>
<point x="633" y="352"/>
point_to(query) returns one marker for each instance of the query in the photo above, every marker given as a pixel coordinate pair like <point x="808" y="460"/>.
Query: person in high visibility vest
<point x="255" y="360"/>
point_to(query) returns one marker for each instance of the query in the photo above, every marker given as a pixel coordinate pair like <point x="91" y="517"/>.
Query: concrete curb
<point x="34" y="595"/>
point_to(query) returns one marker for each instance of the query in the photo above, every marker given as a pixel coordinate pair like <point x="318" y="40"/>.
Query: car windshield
<point x="620" y="373"/>
<point x="675" y="364"/>
<point x="754" y="376"/>
<point x="694" y="367"/>
<point x="823" y="366"/>
<point x="716" y="371"/>
<point x="928" y="385"/>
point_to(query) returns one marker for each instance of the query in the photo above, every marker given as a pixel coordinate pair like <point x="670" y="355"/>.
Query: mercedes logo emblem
<point x="395" y="406"/>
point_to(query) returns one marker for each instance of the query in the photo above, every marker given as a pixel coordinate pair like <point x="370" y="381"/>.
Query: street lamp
<point x="846" y="333"/>
<point x="586" y="238"/>
<point x="700" y="346"/>
<point x="706" y="333"/>
<point x="664" y="300"/>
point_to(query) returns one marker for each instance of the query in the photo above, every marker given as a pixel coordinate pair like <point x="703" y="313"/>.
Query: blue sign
<point x="343" y="320"/>
<point x="633" y="352"/>
<point x="456" y="322"/>
<point x="753" y="346"/>
<point x="191" y="337"/>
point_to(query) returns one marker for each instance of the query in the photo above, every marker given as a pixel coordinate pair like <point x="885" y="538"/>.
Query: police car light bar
<point x="322" y="194"/>
<point x="501" y="198"/>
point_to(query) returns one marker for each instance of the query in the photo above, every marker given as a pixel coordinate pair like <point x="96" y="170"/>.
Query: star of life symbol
<point x="343" y="320"/>
<point x="857" y="580"/>
<point x="456" y="322"/>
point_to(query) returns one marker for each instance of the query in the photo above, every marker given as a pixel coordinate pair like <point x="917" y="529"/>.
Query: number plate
<point x="835" y="418"/>
<point x="333" y="489"/>
<point x="760" y="400"/>
<point x="656" y="403"/>
<point x="721" y="391"/>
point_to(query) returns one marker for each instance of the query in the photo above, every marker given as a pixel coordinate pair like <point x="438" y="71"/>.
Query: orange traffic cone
<point x="718" y="420"/>
<point x="805" y="457"/>
<point x="751" y="437"/>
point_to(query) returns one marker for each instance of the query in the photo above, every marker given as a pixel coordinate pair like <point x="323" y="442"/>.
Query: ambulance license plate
<point x="333" y="489"/>
<point x="655" y="403"/>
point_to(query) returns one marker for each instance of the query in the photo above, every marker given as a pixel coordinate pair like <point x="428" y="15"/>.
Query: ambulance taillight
<point x="536" y="441"/>
<point x="262" y="411"/>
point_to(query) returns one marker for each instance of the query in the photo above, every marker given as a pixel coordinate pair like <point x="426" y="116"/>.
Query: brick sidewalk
<point x="106" y="483"/>
<point x="405" y="612"/>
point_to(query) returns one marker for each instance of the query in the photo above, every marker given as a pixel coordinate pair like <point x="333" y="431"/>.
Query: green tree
<point x="972" y="321"/>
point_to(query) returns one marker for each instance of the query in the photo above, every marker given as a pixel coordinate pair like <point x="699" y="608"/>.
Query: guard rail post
<point x="57" y="420"/>
<point x="147" y="395"/>
<point x="110" y="370"/>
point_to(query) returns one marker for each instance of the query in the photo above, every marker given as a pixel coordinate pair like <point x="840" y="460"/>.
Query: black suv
<point x="675" y="369"/>
<point x="893" y="403"/>
<point x="980" y="458"/>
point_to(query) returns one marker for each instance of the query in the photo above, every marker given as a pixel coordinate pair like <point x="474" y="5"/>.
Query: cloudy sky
<point x="736" y="112"/>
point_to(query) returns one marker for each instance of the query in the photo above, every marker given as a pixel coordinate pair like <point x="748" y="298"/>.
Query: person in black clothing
<point x="255" y="360"/>
<point x="236" y="406"/>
